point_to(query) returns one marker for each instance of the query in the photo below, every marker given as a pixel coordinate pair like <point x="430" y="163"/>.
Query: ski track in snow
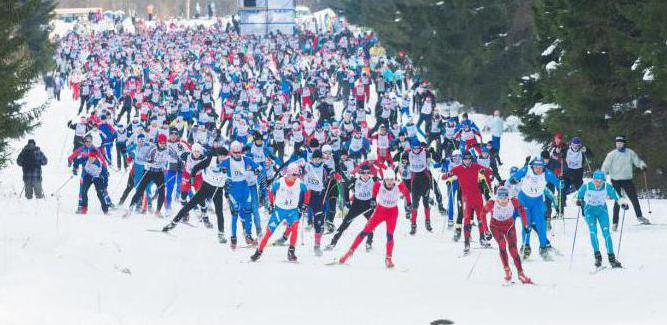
<point x="60" y="268"/>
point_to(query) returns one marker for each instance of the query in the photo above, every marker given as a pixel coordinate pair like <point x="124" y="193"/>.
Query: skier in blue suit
<point x="239" y="169"/>
<point x="534" y="179"/>
<point x="593" y="196"/>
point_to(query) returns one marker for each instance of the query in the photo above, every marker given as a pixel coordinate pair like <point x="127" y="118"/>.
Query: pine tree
<point x="469" y="50"/>
<point x="606" y="73"/>
<point x="25" y="53"/>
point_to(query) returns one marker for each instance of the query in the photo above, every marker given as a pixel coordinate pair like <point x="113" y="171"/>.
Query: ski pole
<point x="574" y="239"/>
<point x="61" y="186"/>
<point x="648" y="199"/>
<point x="161" y="186"/>
<point x="620" y="236"/>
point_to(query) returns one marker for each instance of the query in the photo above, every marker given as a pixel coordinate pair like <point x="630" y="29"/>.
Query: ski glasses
<point x="502" y="195"/>
<point x="364" y="172"/>
<point x="236" y="152"/>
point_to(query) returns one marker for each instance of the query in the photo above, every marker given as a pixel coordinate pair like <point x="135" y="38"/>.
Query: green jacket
<point x="618" y="165"/>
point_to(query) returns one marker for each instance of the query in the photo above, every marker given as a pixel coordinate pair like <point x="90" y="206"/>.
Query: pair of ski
<point x="598" y="269"/>
<point x="336" y="262"/>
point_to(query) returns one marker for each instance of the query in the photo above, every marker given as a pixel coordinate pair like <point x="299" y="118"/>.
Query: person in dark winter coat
<point x="31" y="159"/>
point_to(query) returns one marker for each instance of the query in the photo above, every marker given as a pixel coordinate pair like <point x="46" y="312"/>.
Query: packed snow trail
<point x="61" y="268"/>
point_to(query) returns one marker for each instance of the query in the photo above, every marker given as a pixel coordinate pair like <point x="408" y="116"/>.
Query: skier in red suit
<point x="468" y="175"/>
<point x="503" y="212"/>
<point x="387" y="194"/>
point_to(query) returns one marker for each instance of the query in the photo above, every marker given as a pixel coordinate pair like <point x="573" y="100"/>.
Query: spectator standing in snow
<point x="618" y="165"/>
<point x="495" y="125"/>
<point x="31" y="159"/>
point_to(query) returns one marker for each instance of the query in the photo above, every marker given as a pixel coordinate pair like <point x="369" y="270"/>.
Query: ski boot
<point x="524" y="279"/>
<point x="345" y="257"/>
<point x="457" y="235"/>
<point x="82" y="210"/>
<point x="330" y="228"/>
<point x="233" y="242"/>
<point x="598" y="259"/>
<point x="388" y="262"/>
<point x="290" y="254"/>
<point x="249" y="240"/>
<point x="526" y="251"/>
<point x="549" y="225"/>
<point x="169" y="227"/>
<point x="428" y="225"/>
<point x="256" y="256"/>
<point x="185" y="218"/>
<point x="413" y="229"/>
<point x="317" y="250"/>
<point x="329" y="247"/>
<point x="157" y="214"/>
<point x="614" y="227"/>
<point x="221" y="238"/>
<point x="369" y="246"/>
<point x="466" y="246"/>
<point x="613" y="262"/>
<point x="442" y="210"/>
<point x="508" y="274"/>
<point x="488" y="236"/>
<point x="280" y="241"/>
<point x="484" y="242"/>
<point x="544" y="253"/>
<point x="206" y="222"/>
<point x="450" y="223"/>
<point x="643" y="220"/>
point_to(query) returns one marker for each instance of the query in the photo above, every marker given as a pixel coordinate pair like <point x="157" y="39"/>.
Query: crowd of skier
<point x="300" y="128"/>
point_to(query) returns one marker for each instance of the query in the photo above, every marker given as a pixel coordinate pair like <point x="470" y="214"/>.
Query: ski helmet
<point x="598" y="175"/>
<point x="415" y="144"/>
<point x="388" y="174"/>
<point x="326" y="148"/>
<point x="197" y="148"/>
<point x="161" y="138"/>
<point x="502" y="192"/>
<point x="236" y="147"/>
<point x="537" y="162"/>
<point x="293" y="169"/>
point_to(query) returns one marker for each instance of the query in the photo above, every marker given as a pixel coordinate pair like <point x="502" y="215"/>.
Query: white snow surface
<point x="57" y="267"/>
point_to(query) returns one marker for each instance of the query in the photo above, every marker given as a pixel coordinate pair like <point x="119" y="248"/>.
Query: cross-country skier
<point x="361" y="204"/>
<point x="288" y="200"/>
<point x="387" y="194"/>
<point x="214" y="178"/>
<point x="618" y="165"/>
<point x="504" y="210"/>
<point x="94" y="173"/>
<point x="468" y="175"/>
<point x="239" y="169"/>
<point x="593" y="196"/>
<point x="534" y="179"/>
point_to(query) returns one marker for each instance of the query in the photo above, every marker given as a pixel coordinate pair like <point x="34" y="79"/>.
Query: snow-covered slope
<point x="60" y="268"/>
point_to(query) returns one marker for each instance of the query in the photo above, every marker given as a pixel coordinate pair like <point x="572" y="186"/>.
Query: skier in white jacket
<point x="619" y="165"/>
